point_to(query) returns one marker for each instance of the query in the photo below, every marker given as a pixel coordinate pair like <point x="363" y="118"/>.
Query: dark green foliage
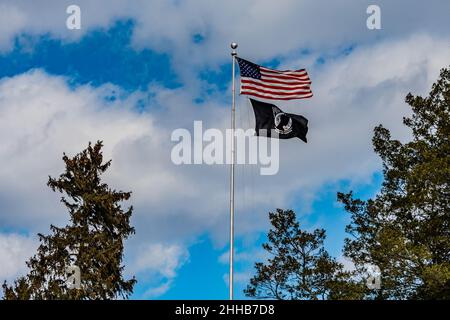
<point x="405" y="229"/>
<point x="298" y="266"/>
<point x="93" y="240"/>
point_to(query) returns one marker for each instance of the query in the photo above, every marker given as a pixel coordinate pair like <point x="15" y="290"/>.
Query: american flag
<point x="261" y="82"/>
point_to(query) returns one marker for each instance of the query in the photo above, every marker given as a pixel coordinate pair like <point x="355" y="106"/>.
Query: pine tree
<point x="405" y="229"/>
<point x="93" y="240"/>
<point x="299" y="267"/>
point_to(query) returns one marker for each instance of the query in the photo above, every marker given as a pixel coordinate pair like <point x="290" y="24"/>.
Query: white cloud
<point x="157" y="266"/>
<point x="42" y="117"/>
<point x="158" y="291"/>
<point x="162" y="259"/>
<point x="15" y="249"/>
<point x="264" y="28"/>
<point x="12" y="20"/>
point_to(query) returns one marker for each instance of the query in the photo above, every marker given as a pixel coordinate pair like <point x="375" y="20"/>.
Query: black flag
<point x="286" y="125"/>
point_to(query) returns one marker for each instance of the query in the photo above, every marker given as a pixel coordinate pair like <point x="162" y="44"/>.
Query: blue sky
<point x="145" y="77"/>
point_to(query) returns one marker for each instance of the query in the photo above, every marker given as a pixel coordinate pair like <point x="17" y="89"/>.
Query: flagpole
<point x="233" y="157"/>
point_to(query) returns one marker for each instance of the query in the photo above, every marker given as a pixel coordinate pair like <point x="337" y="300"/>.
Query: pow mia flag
<point x="285" y="125"/>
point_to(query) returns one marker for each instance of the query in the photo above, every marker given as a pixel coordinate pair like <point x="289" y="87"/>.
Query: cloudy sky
<point x="136" y="71"/>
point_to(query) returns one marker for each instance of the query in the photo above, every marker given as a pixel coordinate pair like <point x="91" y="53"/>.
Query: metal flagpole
<point x="233" y="157"/>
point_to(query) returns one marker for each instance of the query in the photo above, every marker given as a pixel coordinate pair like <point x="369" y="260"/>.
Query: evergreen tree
<point x="299" y="267"/>
<point x="405" y="229"/>
<point x="93" y="241"/>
